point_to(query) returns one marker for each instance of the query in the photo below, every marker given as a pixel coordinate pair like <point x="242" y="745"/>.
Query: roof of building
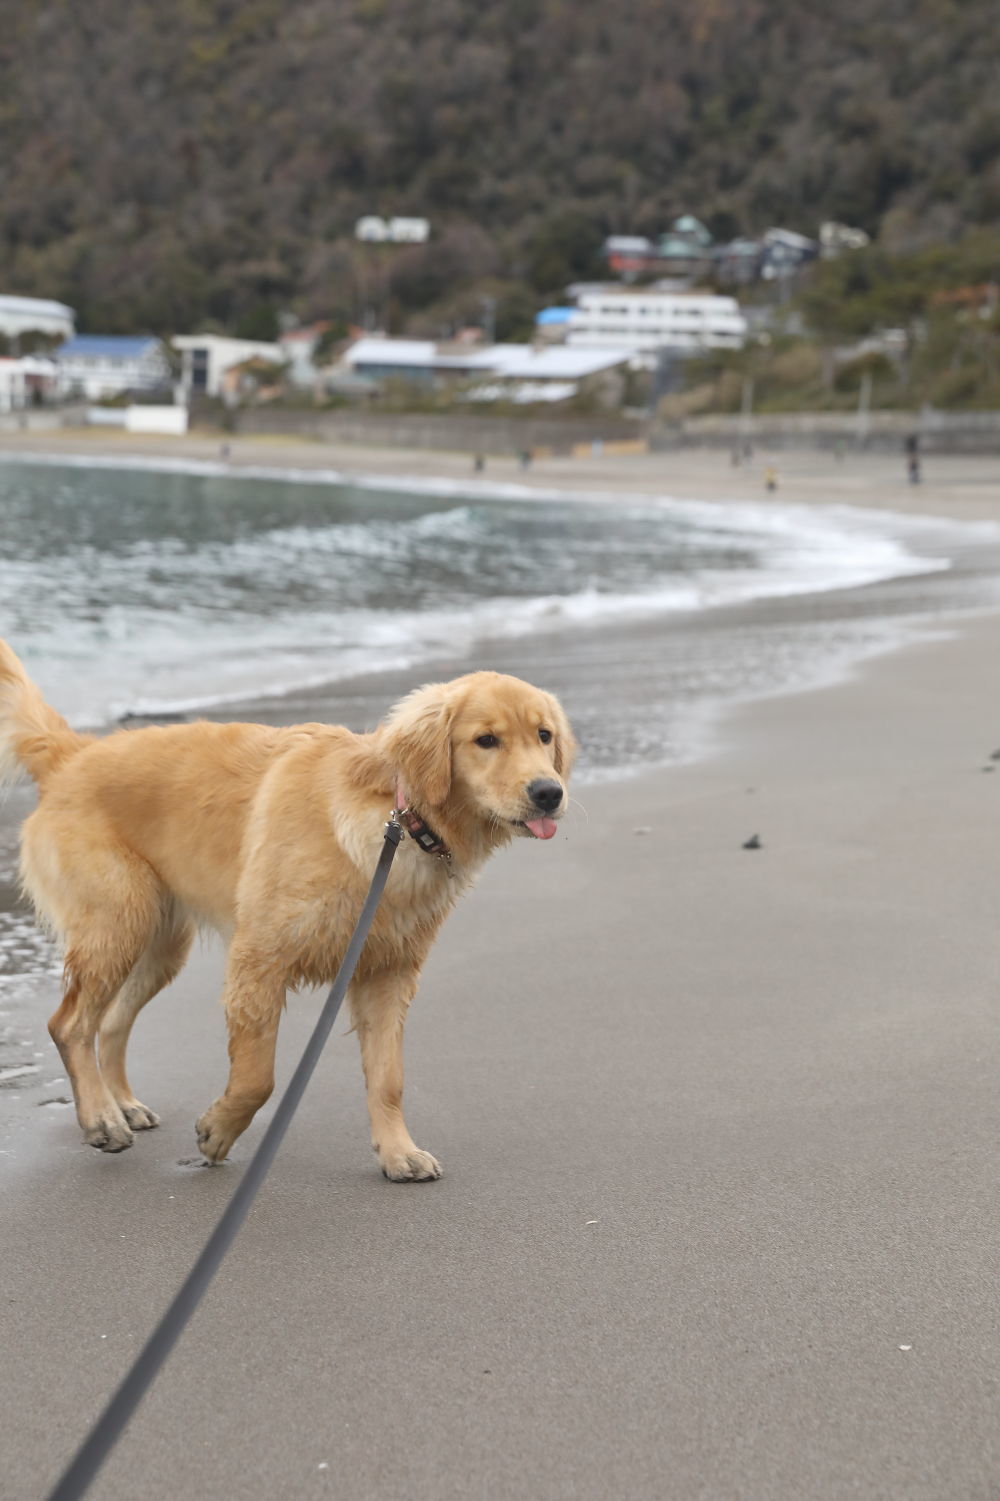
<point x="620" y="298"/>
<point x="510" y="361"/>
<point x="402" y="352"/>
<point x="628" y="245"/>
<point x="550" y="315"/>
<point x="40" y="305"/>
<point x="525" y="362"/>
<point x="692" y="228"/>
<point x="30" y="364"/>
<point x="788" y="237"/>
<point x="304" y="333"/>
<point x="108" y="346"/>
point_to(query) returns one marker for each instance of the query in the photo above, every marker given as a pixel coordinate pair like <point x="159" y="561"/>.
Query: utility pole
<point x="864" y="406"/>
<point x="489" y="319"/>
<point x="746" y="411"/>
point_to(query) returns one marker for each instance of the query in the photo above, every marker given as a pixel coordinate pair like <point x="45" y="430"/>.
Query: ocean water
<point x="181" y="589"/>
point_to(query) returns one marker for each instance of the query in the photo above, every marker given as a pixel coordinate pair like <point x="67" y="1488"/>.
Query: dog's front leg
<point x="253" y="997"/>
<point x="379" y="1003"/>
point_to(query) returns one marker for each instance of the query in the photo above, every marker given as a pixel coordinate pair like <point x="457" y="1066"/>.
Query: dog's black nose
<point x="545" y="794"/>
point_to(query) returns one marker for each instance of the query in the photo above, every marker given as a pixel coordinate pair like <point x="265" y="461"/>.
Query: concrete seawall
<point x="939" y="432"/>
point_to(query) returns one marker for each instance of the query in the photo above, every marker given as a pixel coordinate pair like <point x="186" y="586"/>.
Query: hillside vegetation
<point x="161" y="165"/>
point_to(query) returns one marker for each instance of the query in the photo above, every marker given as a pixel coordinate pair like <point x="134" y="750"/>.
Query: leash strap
<point x="137" y="1380"/>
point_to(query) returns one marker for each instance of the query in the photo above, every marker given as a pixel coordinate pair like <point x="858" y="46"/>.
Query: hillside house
<point x="784" y="252"/>
<point x="36" y="315"/>
<point x="643" y="321"/>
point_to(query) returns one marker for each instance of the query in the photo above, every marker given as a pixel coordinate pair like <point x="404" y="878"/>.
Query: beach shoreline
<point x="713" y="1077"/>
<point x="963" y="487"/>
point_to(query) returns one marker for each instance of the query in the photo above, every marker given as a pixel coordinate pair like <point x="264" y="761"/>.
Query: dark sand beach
<point x="718" y="1125"/>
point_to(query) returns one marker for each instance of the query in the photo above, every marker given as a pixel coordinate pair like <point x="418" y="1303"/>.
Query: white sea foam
<point x="160" y="625"/>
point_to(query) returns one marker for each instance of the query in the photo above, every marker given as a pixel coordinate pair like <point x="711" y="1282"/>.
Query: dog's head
<point x="485" y="745"/>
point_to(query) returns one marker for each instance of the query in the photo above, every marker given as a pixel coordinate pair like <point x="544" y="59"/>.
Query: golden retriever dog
<point x="270" y="836"/>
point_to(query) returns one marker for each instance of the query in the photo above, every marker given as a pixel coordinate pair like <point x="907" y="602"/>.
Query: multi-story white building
<point x="35" y="315"/>
<point x="207" y="357"/>
<point x="99" y="365"/>
<point x="647" y="321"/>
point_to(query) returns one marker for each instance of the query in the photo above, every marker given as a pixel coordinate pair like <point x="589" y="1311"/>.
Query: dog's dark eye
<point x="545" y="736"/>
<point x="488" y="742"/>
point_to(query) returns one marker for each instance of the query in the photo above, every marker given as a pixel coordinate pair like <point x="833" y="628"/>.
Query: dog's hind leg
<point x="254" y="995"/>
<point x="379" y="1003"/>
<point x="90" y="988"/>
<point x="108" y="907"/>
<point x="159" y="963"/>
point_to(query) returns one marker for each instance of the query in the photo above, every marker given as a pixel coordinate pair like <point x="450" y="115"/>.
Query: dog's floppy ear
<point x="418" y="739"/>
<point x="565" y="745"/>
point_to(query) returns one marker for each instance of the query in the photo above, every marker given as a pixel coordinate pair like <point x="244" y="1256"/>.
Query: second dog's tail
<point x="33" y="737"/>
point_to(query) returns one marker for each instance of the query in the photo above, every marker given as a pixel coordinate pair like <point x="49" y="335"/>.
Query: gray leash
<point x="105" y="1433"/>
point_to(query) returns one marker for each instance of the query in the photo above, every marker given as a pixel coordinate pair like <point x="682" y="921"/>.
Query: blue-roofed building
<point x="99" y="365"/>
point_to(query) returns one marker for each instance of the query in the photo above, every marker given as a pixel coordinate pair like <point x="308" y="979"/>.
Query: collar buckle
<point x="421" y="833"/>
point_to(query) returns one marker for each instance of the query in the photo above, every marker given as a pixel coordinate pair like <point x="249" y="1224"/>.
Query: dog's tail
<point x="33" y="737"/>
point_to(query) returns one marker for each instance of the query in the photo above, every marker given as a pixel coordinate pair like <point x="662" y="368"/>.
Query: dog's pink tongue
<point x="542" y="828"/>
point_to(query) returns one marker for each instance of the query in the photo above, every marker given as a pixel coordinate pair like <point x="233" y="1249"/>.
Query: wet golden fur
<point x="270" y="836"/>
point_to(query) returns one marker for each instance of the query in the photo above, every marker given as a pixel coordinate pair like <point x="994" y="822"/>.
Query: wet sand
<point x="966" y="488"/>
<point x="719" y="1130"/>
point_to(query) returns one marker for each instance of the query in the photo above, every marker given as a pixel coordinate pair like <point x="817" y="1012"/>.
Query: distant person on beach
<point x="479" y="463"/>
<point x="912" y="448"/>
<point x="525" y="458"/>
<point x="770" y="478"/>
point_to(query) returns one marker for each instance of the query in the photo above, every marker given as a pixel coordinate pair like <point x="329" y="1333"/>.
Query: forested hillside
<point x="164" y="164"/>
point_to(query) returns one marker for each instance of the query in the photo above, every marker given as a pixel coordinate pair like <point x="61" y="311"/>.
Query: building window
<point x="199" y="369"/>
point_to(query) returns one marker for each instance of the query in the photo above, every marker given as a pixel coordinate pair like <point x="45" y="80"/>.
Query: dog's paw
<point x="414" y="1166"/>
<point x="139" y="1116"/>
<point x="108" y="1135"/>
<point x="214" y="1137"/>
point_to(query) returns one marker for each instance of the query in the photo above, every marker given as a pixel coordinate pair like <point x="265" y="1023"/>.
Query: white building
<point x="207" y="357"/>
<point x="98" y="365"/>
<point x="645" y="321"/>
<point x="13" y="386"/>
<point x="515" y="372"/>
<point x="375" y="230"/>
<point x="26" y="381"/>
<point x="785" y="251"/>
<point x="835" y="238"/>
<point x="23" y="315"/>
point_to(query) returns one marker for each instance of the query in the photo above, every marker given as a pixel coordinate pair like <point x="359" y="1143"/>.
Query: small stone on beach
<point x="753" y="843"/>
